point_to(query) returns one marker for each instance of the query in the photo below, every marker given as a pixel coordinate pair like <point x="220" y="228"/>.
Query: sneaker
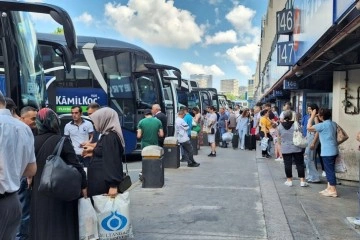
<point x="357" y="222"/>
<point x="323" y="174"/>
<point x="288" y="183"/>
<point x="212" y="155"/>
<point x="314" y="181"/>
<point x="194" y="164"/>
<point x="304" y="184"/>
<point x="141" y="176"/>
<point x="242" y="148"/>
<point x="268" y="156"/>
<point x="183" y="160"/>
<point x="279" y="159"/>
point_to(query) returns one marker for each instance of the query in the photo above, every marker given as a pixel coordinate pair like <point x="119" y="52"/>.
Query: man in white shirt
<point x="181" y="128"/>
<point x="17" y="159"/>
<point x="80" y="132"/>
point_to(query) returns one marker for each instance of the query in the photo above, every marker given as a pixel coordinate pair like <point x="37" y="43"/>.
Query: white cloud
<point x="85" y="18"/>
<point x="245" y="70"/>
<point x="41" y="17"/>
<point x="188" y="68"/>
<point x="221" y="37"/>
<point x="240" y="17"/>
<point x="155" y="22"/>
<point x="242" y="55"/>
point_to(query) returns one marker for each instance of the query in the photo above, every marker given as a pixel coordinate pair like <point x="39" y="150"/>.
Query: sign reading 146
<point x="285" y="21"/>
<point x="285" y="53"/>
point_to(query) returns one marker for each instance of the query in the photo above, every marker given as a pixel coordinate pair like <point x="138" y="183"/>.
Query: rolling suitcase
<point x="235" y="140"/>
<point x="250" y="142"/>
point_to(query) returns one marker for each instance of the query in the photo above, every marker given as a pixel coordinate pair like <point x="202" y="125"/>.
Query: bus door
<point x="121" y="98"/>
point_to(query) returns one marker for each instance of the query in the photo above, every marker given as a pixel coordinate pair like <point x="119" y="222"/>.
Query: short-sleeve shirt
<point x="78" y="134"/>
<point x="188" y="119"/>
<point x="16" y="151"/>
<point x="222" y="119"/>
<point x="212" y="119"/>
<point x="327" y="135"/>
<point x="149" y="127"/>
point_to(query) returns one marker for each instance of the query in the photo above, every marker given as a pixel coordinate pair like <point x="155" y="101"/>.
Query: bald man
<point x="156" y="112"/>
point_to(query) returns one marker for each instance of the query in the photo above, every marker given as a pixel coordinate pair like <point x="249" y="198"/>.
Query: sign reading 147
<point x="285" y="53"/>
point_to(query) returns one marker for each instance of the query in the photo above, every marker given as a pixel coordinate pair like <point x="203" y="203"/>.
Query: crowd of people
<point x="29" y="214"/>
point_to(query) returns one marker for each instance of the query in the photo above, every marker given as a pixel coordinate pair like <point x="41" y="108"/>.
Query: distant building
<point x="251" y="88"/>
<point x="204" y="80"/>
<point x="243" y="92"/>
<point x="230" y="86"/>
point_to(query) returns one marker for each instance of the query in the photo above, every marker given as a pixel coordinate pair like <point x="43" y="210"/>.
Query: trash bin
<point x="152" y="167"/>
<point x="194" y="142"/>
<point x="171" y="156"/>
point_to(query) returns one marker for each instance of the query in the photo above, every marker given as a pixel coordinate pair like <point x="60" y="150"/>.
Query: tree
<point x="59" y="30"/>
<point x="230" y="96"/>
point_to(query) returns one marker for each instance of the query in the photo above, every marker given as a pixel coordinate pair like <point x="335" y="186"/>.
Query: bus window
<point x="147" y="94"/>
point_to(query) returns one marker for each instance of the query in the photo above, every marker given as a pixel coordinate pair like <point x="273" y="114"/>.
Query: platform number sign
<point x="285" y="53"/>
<point x="285" y="21"/>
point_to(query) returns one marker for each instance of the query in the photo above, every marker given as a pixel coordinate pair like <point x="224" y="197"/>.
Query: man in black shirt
<point x="156" y="112"/>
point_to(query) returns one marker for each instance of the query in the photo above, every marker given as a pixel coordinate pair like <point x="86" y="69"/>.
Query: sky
<point x="216" y="37"/>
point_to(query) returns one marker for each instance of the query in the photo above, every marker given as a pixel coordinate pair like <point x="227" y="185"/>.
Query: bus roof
<point x="101" y="43"/>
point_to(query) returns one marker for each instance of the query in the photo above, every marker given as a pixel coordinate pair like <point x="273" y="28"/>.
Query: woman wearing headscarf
<point x="290" y="151"/>
<point x="329" y="147"/>
<point x="51" y="218"/>
<point x="105" y="171"/>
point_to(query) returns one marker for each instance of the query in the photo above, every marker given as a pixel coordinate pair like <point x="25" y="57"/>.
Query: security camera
<point x="299" y="73"/>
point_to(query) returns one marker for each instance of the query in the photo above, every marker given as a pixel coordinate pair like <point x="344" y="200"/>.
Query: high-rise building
<point x="204" y="80"/>
<point x="230" y="86"/>
<point x="251" y="88"/>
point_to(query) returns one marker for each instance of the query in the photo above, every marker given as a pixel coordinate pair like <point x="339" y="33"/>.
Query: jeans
<point x="299" y="161"/>
<point x="309" y="159"/>
<point x="188" y="152"/>
<point x="242" y="133"/>
<point x="24" y="197"/>
<point x="222" y="131"/>
<point x="329" y="164"/>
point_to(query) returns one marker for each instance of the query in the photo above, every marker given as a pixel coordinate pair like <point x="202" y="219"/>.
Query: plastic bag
<point x="88" y="225"/>
<point x="264" y="143"/>
<point x="227" y="137"/>
<point x="340" y="166"/>
<point x="113" y="216"/>
<point x="298" y="139"/>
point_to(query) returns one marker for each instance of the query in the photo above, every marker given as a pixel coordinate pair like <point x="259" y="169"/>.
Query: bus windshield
<point x="32" y="88"/>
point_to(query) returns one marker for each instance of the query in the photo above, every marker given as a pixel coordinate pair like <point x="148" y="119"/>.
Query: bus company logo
<point x="84" y="100"/>
<point x="114" y="222"/>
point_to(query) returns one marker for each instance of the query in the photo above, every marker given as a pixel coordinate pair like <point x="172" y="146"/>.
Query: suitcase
<point x="250" y="142"/>
<point x="235" y="140"/>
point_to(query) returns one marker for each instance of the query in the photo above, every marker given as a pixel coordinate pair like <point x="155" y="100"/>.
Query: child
<point x="277" y="147"/>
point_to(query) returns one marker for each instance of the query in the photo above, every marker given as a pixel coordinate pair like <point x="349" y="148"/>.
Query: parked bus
<point x="113" y="73"/>
<point x="21" y="69"/>
<point x="241" y="103"/>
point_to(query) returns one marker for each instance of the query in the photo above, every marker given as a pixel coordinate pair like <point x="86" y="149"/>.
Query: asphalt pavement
<point x="238" y="196"/>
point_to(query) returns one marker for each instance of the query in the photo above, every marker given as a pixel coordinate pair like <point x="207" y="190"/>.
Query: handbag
<point x="212" y="131"/>
<point x="341" y="135"/>
<point x="126" y="183"/>
<point x="298" y="139"/>
<point x="196" y="128"/>
<point x="58" y="179"/>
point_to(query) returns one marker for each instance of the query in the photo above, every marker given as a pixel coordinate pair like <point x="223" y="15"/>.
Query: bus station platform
<point x="238" y="196"/>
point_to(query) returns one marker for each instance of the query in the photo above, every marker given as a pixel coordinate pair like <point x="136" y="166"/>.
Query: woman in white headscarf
<point x="105" y="171"/>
